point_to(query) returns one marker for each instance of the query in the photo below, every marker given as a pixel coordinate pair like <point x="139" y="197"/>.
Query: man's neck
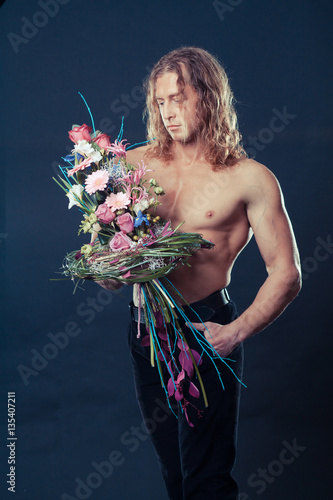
<point x="189" y="153"/>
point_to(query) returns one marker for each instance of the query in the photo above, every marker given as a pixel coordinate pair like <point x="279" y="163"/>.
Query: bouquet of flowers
<point x="131" y="244"/>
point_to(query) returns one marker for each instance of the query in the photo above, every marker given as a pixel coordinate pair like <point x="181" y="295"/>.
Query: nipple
<point x="210" y="213"/>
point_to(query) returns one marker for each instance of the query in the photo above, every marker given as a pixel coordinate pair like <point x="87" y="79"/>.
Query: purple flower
<point x="185" y="359"/>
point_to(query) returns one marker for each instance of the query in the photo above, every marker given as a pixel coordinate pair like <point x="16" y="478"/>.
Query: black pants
<point x="196" y="462"/>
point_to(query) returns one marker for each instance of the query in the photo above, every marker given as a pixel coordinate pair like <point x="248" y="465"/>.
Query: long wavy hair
<point x="218" y="124"/>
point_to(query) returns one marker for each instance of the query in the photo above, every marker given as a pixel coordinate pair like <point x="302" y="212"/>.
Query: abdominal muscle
<point x="209" y="269"/>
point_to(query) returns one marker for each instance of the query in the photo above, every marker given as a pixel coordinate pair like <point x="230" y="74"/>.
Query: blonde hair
<point x="218" y="130"/>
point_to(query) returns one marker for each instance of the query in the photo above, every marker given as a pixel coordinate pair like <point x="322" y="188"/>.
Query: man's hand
<point x="111" y="285"/>
<point x="224" y="338"/>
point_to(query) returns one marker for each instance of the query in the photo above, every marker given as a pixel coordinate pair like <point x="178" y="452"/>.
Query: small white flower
<point x="83" y="148"/>
<point x="74" y="194"/>
<point x="97" y="267"/>
<point x="158" y="229"/>
<point x="96" y="156"/>
<point x="115" y="171"/>
<point x="142" y="205"/>
<point x="154" y="262"/>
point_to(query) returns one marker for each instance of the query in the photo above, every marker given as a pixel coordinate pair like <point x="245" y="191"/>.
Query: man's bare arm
<point x="274" y="235"/>
<point x="275" y="239"/>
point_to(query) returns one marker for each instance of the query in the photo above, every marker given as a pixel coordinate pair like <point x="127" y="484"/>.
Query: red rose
<point x="80" y="133"/>
<point x="125" y="222"/>
<point x="104" y="214"/>
<point x="120" y="241"/>
<point x="103" y="141"/>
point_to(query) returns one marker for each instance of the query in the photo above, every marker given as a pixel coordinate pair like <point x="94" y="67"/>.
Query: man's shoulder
<point x="251" y="171"/>
<point x="135" y="155"/>
<point x="257" y="180"/>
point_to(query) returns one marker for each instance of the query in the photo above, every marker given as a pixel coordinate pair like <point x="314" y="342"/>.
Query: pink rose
<point x="120" y="241"/>
<point x="103" y="141"/>
<point x="125" y="222"/>
<point x="80" y="133"/>
<point x="104" y="214"/>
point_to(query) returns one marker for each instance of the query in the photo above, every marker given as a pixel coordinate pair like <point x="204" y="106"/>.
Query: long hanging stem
<point x="152" y="349"/>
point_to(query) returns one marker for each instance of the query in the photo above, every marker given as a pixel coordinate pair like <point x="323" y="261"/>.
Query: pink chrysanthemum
<point x="118" y="148"/>
<point x="117" y="201"/>
<point x="97" y="181"/>
<point x="81" y="166"/>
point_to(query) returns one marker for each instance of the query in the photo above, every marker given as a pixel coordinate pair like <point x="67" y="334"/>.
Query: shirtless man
<point x="227" y="201"/>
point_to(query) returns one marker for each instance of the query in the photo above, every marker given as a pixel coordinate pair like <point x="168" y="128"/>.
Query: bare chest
<point x="203" y="199"/>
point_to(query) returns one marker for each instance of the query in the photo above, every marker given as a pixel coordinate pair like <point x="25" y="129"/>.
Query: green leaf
<point x="100" y="197"/>
<point x="103" y="238"/>
<point x="80" y="177"/>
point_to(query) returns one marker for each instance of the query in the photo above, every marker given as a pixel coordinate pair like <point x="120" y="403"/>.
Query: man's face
<point x="178" y="109"/>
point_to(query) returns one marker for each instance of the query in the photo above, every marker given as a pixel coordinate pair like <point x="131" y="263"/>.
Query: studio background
<point x="78" y="407"/>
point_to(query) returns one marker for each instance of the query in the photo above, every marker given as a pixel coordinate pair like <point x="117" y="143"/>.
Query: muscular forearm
<point x="279" y="289"/>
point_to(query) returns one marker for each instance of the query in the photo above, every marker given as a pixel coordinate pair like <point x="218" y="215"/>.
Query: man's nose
<point x="168" y="111"/>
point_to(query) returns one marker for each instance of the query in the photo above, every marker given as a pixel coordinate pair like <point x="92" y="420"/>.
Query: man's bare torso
<point x="210" y="203"/>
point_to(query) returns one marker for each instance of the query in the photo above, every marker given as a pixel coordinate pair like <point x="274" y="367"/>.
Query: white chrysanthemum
<point x="83" y="148"/>
<point x="74" y="195"/>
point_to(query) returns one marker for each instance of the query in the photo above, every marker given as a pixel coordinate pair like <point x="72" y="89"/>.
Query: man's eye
<point x="160" y="104"/>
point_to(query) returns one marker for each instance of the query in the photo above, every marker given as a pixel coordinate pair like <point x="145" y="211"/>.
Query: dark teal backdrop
<point x="65" y="355"/>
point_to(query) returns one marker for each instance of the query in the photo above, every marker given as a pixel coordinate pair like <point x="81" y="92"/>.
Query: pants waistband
<point x="205" y="308"/>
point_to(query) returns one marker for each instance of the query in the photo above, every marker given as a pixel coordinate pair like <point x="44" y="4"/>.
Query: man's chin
<point x="183" y="138"/>
<point x="191" y="139"/>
